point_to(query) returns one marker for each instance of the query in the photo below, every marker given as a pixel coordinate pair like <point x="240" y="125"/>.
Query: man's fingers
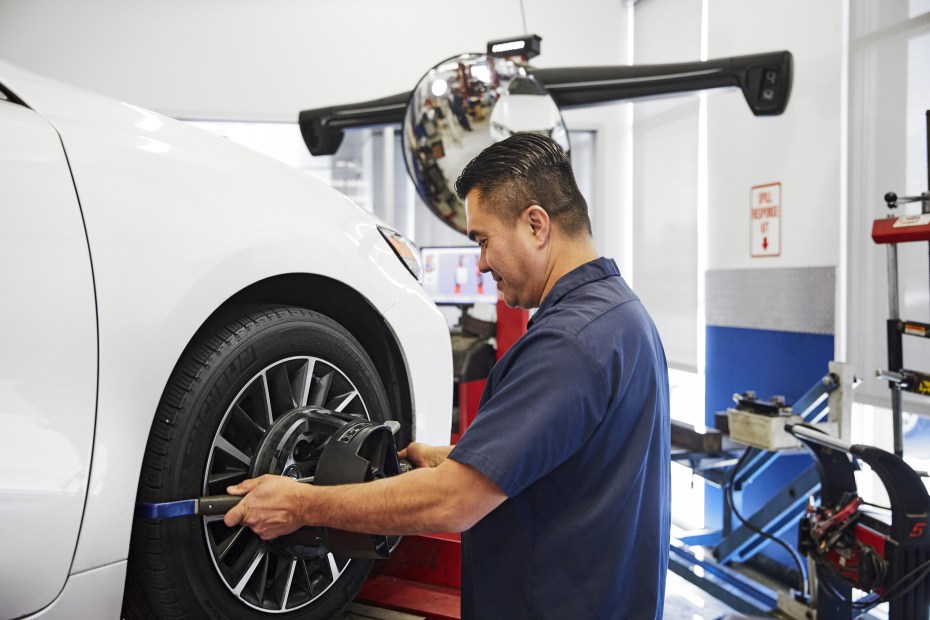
<point x="245" y="486"/>
<point x="237" y="513"/>
<point x="234" y="515"/>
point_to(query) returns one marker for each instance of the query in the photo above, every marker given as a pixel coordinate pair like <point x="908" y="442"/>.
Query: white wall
<point x="242" y="59"/>
<point x="854" y="129"/>
<point x="248" y="60"/>
<point x="666" y="184"/>
<point x="801" y="149"/>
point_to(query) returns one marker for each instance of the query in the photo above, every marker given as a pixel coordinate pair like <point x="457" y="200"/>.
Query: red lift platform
<point x="424" y="574"/>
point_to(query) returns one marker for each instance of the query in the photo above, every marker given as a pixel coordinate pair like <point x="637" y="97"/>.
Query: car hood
<point x="67" y="106"/>
<point x="143" y="178"/>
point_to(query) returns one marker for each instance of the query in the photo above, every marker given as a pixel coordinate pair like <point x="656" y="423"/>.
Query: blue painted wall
<point x="770" y="363"/>
<point x="766" y="361"/>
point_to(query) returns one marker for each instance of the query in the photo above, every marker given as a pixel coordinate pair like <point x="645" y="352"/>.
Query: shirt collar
<point x="594" y="270"/>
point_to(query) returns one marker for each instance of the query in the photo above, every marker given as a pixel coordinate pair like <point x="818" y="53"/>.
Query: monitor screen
<point x="451" y="276"/>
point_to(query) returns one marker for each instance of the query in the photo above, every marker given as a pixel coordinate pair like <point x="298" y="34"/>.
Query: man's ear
<point x="539" y="222"/>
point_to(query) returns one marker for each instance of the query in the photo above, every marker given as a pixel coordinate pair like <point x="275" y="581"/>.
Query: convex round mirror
<point x="459" y="108"/>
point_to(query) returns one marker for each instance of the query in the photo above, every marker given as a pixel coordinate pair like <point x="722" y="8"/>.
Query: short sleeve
<point x="542" y="402"/>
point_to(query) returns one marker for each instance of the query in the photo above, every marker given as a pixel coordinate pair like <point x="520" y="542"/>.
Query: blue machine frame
<point x="774" y="517"/>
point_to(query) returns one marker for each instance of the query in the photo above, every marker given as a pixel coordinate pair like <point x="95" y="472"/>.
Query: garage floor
<point x="683" y="601"/>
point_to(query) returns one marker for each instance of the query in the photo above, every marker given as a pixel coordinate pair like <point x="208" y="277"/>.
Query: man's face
<point x="508" y="252"/>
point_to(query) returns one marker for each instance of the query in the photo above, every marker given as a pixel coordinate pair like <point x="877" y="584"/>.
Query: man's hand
<point x="423" y="455"/>
<point x="271" y="506"/>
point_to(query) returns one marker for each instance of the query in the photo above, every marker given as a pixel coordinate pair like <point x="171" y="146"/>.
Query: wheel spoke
<point x="219" y="481"/>
<point x="240" y="585"/>
<point x="262" y="580"/>
<point x="280" y="397"/>
<point x="334" y="569"/>
<point x="306" y="581"/>
<point x="244" y="422"/>
<point x="292" y="567"/>
<point x="223" y="444"/>
<point x="223" y="548"/>
<point x="320" y="390"/>
<point x="303" y="380"/>
<point x="341" y="401"/>
<point x="267" y="399"/>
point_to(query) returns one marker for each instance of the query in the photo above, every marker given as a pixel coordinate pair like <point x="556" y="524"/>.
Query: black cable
<point x="866" y="603"/>
<point x="826" y="579"/>
<point x="875" y="505"/>
<point x="880" y="566"/>
<point x="728" y="496"/>
<point x="925" y="567"/>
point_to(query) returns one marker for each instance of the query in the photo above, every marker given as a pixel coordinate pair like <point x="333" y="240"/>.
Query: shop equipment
<point x="891" y="231"/>
<point x="853" y="549"/>
<point x="320" y="447"/>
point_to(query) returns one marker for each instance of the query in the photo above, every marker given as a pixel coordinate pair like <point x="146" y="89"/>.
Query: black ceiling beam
<point x="764" y="79"/>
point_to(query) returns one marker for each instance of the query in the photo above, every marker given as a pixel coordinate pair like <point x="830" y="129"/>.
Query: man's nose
<point x="483" y="262"/>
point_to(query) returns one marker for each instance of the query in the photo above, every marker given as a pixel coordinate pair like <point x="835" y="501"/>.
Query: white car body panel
<point x="91" y="595"/>
<point x="173" y="229"/>
<point x="48" y="370"/>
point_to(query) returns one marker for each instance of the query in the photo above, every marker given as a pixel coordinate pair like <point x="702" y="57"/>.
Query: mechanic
<point x="560" y="485"/>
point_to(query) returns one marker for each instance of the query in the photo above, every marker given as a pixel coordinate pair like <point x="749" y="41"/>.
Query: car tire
<point x="245" y="368"/>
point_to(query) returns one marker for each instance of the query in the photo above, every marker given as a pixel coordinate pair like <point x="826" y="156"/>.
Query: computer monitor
<point x="451" y="276"/>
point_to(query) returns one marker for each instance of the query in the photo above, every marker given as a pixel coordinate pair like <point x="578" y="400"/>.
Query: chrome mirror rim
<point x="461" y="106"/>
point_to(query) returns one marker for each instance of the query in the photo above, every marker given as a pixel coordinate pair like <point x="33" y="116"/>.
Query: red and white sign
<point x="765" y="220"/>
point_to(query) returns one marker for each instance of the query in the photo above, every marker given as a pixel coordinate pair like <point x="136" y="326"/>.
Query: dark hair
<point x="526" y="169"/>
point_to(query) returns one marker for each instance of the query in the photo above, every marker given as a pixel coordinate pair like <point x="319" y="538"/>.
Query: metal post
<point x="893" y="285"/>
<point x="896" y="423"/>
<point x="894" y="344"/>
<point x="841" y="399"/>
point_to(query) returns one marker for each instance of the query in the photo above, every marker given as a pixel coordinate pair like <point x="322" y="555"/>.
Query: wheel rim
<point x="251" y="569"/>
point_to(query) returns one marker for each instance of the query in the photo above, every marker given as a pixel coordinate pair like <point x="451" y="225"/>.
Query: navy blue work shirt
<point x="573" y="426"/>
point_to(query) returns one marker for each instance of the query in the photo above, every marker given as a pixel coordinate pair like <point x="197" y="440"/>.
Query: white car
<point x="167" y="296"/>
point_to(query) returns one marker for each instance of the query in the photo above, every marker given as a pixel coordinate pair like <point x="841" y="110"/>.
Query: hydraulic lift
<point x="884" y="553"/>
<point x="708" y="558"/>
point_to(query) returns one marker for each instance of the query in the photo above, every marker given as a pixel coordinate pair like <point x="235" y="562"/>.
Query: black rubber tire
<point x="171" y="572"/>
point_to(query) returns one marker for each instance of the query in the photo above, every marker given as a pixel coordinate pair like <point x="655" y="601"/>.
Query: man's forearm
<point x="448" y="498"/>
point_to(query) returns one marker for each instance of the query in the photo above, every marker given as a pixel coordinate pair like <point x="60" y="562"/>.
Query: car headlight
<point x="405" y="250"/>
